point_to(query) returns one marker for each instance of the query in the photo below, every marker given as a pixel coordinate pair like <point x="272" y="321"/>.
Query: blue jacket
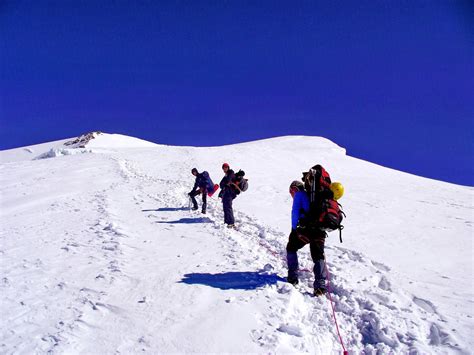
<point x="300" y="208"/>
<point x="203" y="181"/>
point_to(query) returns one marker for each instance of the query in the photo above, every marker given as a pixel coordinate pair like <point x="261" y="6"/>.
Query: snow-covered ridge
<point x="98" y="141"/>
<point x="301" y="142"/>
<point x="86" y="143"/>
<point x="118" y="141"/>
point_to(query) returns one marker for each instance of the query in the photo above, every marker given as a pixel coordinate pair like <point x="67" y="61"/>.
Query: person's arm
<point x="231" y="176"/>
<point x="295" y="211"/>
<point x="195" y="185"/>
<point x="236" y="185"/>
<point x="304" y="204"/>
<point x="300" y="208"/>
<point x="223" y="183"/>
<point x="227" y="179"/>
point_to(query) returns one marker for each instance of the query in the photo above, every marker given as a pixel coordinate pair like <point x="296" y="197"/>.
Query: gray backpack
<point x="241" y="181"/>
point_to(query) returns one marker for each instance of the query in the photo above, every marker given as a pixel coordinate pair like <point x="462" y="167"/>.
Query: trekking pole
<point x="345" y="352"/>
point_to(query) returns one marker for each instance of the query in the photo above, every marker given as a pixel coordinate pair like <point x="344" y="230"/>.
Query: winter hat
<point x="194" y="170"/>
<point x="298" y="184"/>
<point x="225" y="165"/>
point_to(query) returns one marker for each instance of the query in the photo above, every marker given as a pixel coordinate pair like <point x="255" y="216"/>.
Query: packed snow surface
<point x="101" y="254"/>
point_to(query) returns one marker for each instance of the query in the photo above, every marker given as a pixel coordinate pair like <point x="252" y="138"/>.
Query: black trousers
<point x="227" y="199"/>
<point x="316" y="239"/>
<point x="204" y="199"/>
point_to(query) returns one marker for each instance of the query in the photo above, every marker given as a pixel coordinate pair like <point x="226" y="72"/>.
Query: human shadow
<point x="167" y="209"/>
<point x="188" y="220"/>
<point x="244" y="280"/>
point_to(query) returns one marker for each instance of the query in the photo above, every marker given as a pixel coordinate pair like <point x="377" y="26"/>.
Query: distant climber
<point x="202" y="185"/>
<point x="228" y="193"/>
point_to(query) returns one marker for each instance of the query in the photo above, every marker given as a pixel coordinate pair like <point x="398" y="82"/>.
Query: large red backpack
<point x="325" y="213"/>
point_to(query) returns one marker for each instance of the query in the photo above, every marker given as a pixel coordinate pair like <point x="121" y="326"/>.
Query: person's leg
<point x="204" y="201"/>
<point x="225" y="206"/>
<point x="317" y="254"/>
<point x="294" y="244"/>
<point x="193" y="199"/>
<point x="231" y="211"/>
<point x="228" y="211"/>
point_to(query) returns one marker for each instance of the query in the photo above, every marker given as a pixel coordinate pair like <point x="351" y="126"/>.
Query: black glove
<point x="300" y="229"/>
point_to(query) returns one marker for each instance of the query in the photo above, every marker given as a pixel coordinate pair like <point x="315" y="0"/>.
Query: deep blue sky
<point x="391" y="81"/>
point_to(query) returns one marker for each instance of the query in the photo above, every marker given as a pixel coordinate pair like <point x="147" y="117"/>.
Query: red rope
<point x="329" y="292"/>
<point x="275" y="254"/>
<point x="333" y="311"/>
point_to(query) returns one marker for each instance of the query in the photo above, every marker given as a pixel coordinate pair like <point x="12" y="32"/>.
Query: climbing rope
<point x="275" y="254"/>
<point x="332" y="306"/>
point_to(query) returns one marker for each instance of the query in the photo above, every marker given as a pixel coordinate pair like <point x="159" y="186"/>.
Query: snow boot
<point x="320" y="291"/>
<point x="292" y="280"/>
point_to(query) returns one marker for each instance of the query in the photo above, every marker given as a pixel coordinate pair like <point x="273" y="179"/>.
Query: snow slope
<point x="100" y="254"/>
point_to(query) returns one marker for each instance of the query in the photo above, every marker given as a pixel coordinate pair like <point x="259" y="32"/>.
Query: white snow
<point x="100" y="254"/>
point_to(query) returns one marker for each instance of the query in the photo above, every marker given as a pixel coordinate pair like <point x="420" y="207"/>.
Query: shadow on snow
<point x="188" y="220"/>
<point x="232" y="280"/>
<point x="167" y="209"/>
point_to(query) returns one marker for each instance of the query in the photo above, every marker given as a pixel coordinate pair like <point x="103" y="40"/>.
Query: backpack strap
<point x="341" y="227"/>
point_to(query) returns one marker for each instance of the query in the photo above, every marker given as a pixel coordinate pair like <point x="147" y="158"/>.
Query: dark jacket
<point x="203" y="182"/>
<point x="226" y="184"/>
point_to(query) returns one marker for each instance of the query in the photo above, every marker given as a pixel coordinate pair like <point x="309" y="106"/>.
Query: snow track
<point x="100" y="254"/>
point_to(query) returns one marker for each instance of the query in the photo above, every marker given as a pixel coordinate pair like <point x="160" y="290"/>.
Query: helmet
<point x="225" y="165"/>
<point x="298" y="184"/>
<point x="337" y="189"/>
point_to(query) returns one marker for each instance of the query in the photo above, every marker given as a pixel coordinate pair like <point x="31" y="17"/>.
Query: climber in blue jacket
<point x="298" y="239"/>
<point x="202" y="185"/>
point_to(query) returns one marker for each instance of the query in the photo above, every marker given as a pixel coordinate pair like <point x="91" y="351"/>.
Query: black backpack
<point x="325" y="213"/>
<point x="240" y="181"/>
